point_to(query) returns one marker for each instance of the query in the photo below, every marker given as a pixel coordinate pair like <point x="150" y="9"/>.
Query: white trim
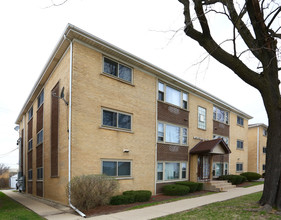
<point x="180" y="171"/>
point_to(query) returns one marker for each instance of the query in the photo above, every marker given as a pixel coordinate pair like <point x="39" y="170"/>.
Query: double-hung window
<point x="220" y="115"/>
<point x="40" y="137"/>
<point x="264" y="150"/>
<point x="172" y="96"/>
<point x="263" y="167"/>
<point x="201" y="118"/>
<point x="239" y="167"/>
<point x="116" y="119"/>
<point x="30" y="144"/>
<point x="40" y="99"/>
<point x="30" y="113"/>
<point x="171" y="171"/>
<point x="116" y="168"/>
<point x="29" y="174"/>
<point x="240" y="144"/>
<point x="264" y="132"/>
<point x="240" y="121"/>
<point x="174" y="134"/>
<point x="40" y="173"/>
<point x="117" y="69"/>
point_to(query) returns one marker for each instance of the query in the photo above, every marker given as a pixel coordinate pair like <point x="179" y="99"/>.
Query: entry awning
<point x="215" y="146"/>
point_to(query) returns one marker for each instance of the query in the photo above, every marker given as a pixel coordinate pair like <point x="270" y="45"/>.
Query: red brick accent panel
<point x="30" y="129"/>
<point x="39" y="125"/>
<point x="39" y="188"/>
<point x="172" y="114"/>
<point x="221" y="158"/>
<point x="29" y="160"/>
<point x="39" y="155"/>
<point x="168" y="152"/>
<point x="220" y="128"/>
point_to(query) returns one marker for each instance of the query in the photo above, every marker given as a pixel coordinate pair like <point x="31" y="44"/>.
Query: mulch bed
<point x="108" y="209"/>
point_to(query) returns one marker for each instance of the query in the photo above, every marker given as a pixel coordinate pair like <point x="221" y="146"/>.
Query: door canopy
<point x="215" y="146"/>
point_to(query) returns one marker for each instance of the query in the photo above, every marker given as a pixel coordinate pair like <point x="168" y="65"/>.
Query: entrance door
<point x="203" y="167"/>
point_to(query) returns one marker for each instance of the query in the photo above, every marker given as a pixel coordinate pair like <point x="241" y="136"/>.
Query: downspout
<point x="69" y="131"/>
<point x="258" y="149"/>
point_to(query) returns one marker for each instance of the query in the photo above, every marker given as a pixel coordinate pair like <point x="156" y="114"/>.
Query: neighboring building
<point x="257" y="138"/>
<point x="97" y="109"/>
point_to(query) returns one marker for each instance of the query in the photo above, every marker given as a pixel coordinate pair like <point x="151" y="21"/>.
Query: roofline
<point x="112" y="48"/>
<point x="257" y="125"/>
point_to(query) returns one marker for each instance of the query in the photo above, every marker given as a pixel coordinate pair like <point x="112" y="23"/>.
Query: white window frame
<point x="180" y="171"/>
<point x="30" y="113"/>
<point x="226" y="115"/>
<point x="28" y="147"/>
<point x="117" y="118"/>
<point x="118" y="65"/>
<point x="202" y="115"/>
<point x="181" y="136"/>
<point x="117" y="161"/>
<point x="226" y="139"/>
<point x="183" y="95"/>
<point x="241" y="143"/>
<point x="41" y="131"/>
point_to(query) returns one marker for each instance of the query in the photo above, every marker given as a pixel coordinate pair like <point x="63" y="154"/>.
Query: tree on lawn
<point x="254" y="25"/>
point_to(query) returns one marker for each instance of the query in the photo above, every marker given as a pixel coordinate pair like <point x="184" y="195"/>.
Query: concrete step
<point x="218" y="186"/>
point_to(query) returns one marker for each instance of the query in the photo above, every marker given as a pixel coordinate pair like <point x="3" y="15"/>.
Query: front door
<point x="203" y="168"/>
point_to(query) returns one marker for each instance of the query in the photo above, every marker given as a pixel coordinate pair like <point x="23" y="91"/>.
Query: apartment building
<point x="257" y="137"/>
<point x="97" y="109"/>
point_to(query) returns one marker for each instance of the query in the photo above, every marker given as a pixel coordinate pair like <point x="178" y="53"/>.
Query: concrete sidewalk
<point x="50" y="212"/>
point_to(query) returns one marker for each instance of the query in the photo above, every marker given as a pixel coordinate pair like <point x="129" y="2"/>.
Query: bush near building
<point x="234" y="179"/>
<point x="251" y="176"/>
<point x="130" y="197"/>
<point x="192" y="185"/>
<point x="175" y="190"/>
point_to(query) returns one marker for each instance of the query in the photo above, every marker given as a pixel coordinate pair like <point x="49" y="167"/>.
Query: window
<point x="116" y="168"/>
<point x="263" y="167"/>
<point x="239" y="167"/>
<point x="171" y="170"/>
<point x="201" y="118"/>
<point x="239" y="144"/>
<point x="40" y="98"/>
<point x="224" y="138"/>
<point x="219" y="169"/>
<point x="172" y="134"/>
<point x="117" y="69"/>
<point x="264" y="150"/>
<point x="30" y="113"/>
<point x="30" y="144"/>
<point x="40" y="173"/>
<point x="160" y="132"/>
<point x="172" y="96"/>
<point x="30" y="174"/>
<point x="116" y="119"/>
<point x="240" y="121"/>
<point x="220" y="115"/>
<point x="40" y="137"/>
<point x="264" y="132"/>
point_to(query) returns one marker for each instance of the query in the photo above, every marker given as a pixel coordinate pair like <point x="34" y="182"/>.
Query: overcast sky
<point x="146" y="28"/>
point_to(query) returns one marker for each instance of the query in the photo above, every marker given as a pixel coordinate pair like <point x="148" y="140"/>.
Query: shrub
<point x="90" y="191"/>
<point x="234" y="179"/>
<point x="4" y="183"/>
<point x="192" y="185"/>
<point x="251" y="176"/>
<point x="200" y="187"/>
<point x="263" y="175"/>
<point x="139" y="195"/>
<point x="121" y="199"/>
<point x="175" y="190"/>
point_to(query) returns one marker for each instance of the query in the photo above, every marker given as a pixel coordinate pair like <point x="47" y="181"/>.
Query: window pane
<point x="160" y="132"/>
<point x="214" y="113"/>
<point x="172" y="171"/>
<point x="220" y="115"/>
<point x="125" y="73"/>
<point x="226" y="117"/>
<point x="109" y="118"/>
<point x="124" y="121"/>
<point x="109" y="168"/>
<point x="124" y="168"/>
<point x="161" y="87"/>
<point x="184" y="96"/>
<point x="159" y="171"/>
<point x="183" y="170"/>
<point x="173" y="96"/>
<point x="40" y="137"/>
<point x="110" y="67"/>
<point x="184" y="135"/>
<point x="161" y="96"/>
<point x="172" y="134"/>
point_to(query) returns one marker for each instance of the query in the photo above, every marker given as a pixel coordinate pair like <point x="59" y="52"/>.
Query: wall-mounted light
<point x="61" y="96"/>
<point x="126" y="150"/>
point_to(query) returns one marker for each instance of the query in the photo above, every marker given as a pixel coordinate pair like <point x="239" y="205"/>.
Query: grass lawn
<point x="244" y="207"/>
<point x="11" y="210"/>
<point x="254" y="183"/>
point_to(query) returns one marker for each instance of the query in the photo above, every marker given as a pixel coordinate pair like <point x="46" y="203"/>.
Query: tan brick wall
<point x="238" y="132"/>
<point x="91" y="143"/>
